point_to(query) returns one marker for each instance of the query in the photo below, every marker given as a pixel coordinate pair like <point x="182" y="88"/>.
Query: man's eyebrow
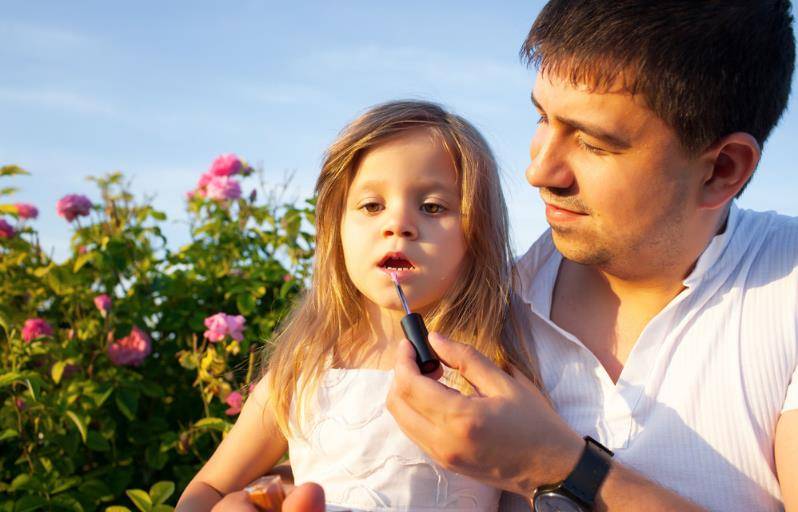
<point x="593" y="131"/>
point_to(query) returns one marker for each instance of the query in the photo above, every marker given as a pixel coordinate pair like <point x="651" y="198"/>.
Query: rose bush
<point x="123" y="366"/>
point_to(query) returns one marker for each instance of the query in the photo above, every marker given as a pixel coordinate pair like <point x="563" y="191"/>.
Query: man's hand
<point x="506" y="435"/>
<point x="307" y="497"/>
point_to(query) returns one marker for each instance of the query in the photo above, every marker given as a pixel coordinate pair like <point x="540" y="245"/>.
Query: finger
<point x="308" y="497"/>
<point x="427" y="397"/>
<point x="478" y="370"/>
<point x="407" y="354"/>
<point x="528" y="385"/>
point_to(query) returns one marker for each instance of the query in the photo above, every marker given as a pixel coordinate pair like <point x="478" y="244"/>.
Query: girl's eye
<point x="432" y="208"/>
<point x="371" y="207"/>
<point x="587" y="147"/>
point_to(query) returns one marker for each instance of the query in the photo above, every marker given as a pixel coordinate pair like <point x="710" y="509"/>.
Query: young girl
<point x="407" y="188"/>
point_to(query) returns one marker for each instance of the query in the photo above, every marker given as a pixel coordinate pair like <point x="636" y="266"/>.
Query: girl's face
<point x="403" y="212"/>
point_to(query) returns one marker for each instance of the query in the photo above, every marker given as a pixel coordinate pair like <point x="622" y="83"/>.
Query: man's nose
<point x="548" y="166"/>
<point x="400" y="223"/>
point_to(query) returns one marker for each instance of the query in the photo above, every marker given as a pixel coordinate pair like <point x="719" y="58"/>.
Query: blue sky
<point x="158" y="89"/>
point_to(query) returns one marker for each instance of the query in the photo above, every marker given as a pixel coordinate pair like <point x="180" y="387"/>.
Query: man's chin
<point x="579" y="249"/>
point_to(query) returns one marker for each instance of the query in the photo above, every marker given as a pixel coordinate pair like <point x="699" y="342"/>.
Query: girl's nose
<point x="400" y="224"/>
<point x="548" y="167"/>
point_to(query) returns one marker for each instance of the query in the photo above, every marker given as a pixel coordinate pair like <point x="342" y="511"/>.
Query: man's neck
<point x="608" y="309"/>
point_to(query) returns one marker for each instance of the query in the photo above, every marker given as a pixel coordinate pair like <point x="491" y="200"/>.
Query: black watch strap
<point x="590" y="472"/>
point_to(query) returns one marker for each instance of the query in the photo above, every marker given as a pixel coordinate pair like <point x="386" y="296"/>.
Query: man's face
<point x="617" y="184"/>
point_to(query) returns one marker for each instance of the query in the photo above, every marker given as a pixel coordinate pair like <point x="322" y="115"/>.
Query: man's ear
<point x="731" y="162"/>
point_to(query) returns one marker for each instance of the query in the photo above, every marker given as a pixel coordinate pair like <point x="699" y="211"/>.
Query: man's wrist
<point x="552" y="462"/>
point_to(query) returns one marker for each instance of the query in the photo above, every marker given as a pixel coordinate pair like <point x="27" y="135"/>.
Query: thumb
<point x="487" y="378"/>
<point x="308" y="497"/>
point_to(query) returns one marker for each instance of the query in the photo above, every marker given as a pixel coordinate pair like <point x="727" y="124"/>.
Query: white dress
<point x="351" y="445"/>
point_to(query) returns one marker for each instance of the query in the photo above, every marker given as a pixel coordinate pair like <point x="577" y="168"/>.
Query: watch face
<point x="553" y="502"/>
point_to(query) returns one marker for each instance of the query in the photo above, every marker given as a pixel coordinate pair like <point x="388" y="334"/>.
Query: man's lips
<point x="558" y="214"/>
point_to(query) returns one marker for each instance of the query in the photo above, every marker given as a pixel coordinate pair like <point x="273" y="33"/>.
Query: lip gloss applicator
<point x="415" y="331"/>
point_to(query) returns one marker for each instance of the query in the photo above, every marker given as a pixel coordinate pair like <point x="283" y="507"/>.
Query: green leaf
<point x="66" y="502"/>
<point x="9" y="378"/>
<point x="151" y="389"/>
<point x="140" y="498"/>
<point x="58" y="371"/>
<point x="155" y="457"/>
<point x="65" y="484"/>
<point x="161" y="491"/>
<point x="127" y="400"/>
<point x="157" y="215"/>
<point x="210" y="424"/>
<point x="23" y="481"/>
<point x="29" y="503"/>
<point x="7" y="191"/>
<point x="96" y="490"/>
<point x="81" y="424"/>
<point x="8" y="433"/>
<point x="11" y="170"/>
<point x="117" y="508"/>
<point x="96" y="442"/>
<point x="101" y="395"/>
<point x="162" y="508"/>
<point x="245" y="303"/>
<point x="82" y="259"/>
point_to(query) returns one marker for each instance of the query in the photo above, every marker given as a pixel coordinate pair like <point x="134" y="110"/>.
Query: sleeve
<point x="791" y="400"/>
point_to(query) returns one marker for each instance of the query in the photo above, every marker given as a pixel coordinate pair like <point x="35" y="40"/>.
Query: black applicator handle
<point x="416" y="332"/>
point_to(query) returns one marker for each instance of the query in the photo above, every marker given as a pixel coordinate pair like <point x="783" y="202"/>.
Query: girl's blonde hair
<point x="480" y="309"/>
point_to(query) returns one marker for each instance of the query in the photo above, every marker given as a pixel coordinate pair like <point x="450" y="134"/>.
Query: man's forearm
<point x="625" y="489"/>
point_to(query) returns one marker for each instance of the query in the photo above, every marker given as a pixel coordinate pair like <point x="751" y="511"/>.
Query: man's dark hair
<point x="708" y="68"/>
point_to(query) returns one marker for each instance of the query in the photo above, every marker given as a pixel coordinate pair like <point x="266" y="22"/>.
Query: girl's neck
<point x="375" y="339"/>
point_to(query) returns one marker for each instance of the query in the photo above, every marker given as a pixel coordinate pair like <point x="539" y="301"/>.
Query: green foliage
<point x="80" y="433"/>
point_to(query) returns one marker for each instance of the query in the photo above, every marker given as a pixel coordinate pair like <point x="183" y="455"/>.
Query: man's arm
<point x="787" y="458"/>
<point x="507" y="435"/>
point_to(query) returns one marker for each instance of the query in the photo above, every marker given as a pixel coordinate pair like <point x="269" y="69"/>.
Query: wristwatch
<point x="577" y="493"/>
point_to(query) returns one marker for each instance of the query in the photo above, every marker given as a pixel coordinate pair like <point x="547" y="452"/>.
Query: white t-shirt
<point x="697" y="403"/>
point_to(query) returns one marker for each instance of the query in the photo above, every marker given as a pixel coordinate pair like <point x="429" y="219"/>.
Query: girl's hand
<point x="307" y="497"/>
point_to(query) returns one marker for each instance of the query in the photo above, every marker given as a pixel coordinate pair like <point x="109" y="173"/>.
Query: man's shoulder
<point x="772" y="236"/>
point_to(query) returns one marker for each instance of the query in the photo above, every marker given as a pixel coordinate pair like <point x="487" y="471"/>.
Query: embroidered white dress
<point x="351" y="445"/>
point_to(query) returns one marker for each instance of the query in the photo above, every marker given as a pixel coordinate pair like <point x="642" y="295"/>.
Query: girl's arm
<point x="249" y="450"/>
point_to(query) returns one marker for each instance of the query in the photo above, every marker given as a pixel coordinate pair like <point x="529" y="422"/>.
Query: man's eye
<point x="543" y="119"/>
<point x="432" y="208"/>
<point x="589" y="148"/>
<point x="371" y="207"/>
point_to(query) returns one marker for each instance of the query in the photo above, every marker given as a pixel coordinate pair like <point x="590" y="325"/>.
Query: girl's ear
<point x="731" y="162"/>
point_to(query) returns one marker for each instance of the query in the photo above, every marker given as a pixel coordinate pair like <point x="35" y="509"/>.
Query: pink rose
<point x="226" y="165"/>
<point x="130" y="350"/>
<point x="35" y="328"/>
<point x="234" y="400"/>
<point x="26" y="211"/>
<point x="221" y="325"/>
<point x="103" y="304"/>
<point x="20" y="403"/>
<point x="6" y="229"/>
<point x="222" y="188"/>
<point x="287" y="278"/>
<point x="72" y="206"/>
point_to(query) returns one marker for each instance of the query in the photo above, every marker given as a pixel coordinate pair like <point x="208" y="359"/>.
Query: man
<point x="665" y="318"/>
